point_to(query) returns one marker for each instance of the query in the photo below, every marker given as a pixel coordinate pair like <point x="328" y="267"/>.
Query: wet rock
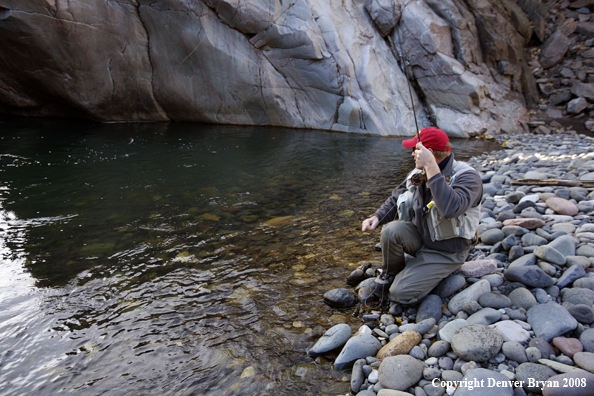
<point x="357" y="347"/>
<point x="334" y="338"/>
<point x="341" y="298"/>
<point x="476" y="342"/>
<point x="550" y="320"/>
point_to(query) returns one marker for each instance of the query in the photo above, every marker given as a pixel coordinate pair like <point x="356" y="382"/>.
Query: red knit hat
<point x="433" y="138"/>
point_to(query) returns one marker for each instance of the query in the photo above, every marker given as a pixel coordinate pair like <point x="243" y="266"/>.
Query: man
<point x="433" y="222"/>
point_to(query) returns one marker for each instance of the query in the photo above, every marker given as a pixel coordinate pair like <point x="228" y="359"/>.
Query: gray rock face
<point x="400" y="372"/>
<point x="296" y="63"/>
<point x="550" y="320"/>
<point x="476" y="342"/>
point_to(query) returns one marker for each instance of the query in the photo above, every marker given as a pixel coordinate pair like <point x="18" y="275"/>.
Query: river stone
<point x="549" y="254"/>
<point x="564" y="245"/>
<point x="586" y="283"/>
<point x="511" y="331"/>
<point x="400" y="372"/>
<point x="582" y="261"/>
<point x="537" y="372"/>
<point x="450" y="285"/>
<point x="387" y="392"/>
<point x="524" y="261"/>
<point x="531" y="276"/>
<point x="569" y="346"/>
<point x="564" y="227"/>
<point x="533" y="354"/>
<point x="582" y="313"/>
<point x="421" y="327"/>
<point x="400" y="345"/>
<point x="370" y="393"/>
<point x="469" y="294"/>
<point x="528" y="223"/>
<point x="341" y="298"/>
<point x="485" y="316"/>
<point x="357" y="347"/>
<point x="335" y="337"/>
<point x="494" y="300"/>
<point x="476" y="342"/>
<point x="500" y="384"/>
<point x="587" y="340"/>
<point x="438" y="348"/>
<point x="514" y="351"/>
<point x="532" y="239"/>
<point x="494" y="280"/>
<point x="450" y="328"/>
<point x="578" y="295"/>
<point x="492" y="236"/>
<point x="430" y="307"/>
<point x="570" y="275"/>
<point x="562" y="206"/>
<point x="557" y="385"/>
<point x="522" y="298"/>
<point x="550" y="320"/>
<point x="515" y="230"/>
<point x="543" y="346"/>
<point x="478" y="268"/>
<point x="585" y="360"/>
<point x="585" y="250"/>
<point x="357" y="375"/>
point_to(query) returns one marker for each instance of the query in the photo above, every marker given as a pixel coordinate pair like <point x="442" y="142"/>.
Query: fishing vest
<point x="441" y="228"/>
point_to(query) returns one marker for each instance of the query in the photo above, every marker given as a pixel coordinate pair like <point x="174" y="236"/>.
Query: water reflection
<point x="180" y="259"/>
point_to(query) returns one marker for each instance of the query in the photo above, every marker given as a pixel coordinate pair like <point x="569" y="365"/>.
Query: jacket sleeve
<point x="455" y="200"/>
<point x="389" y="210"/>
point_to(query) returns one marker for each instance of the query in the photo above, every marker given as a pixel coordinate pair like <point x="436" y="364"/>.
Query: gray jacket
<point x="451" y="201"/>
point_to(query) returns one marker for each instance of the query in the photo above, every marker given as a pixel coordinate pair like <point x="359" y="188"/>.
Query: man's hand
<point x="370" y="224"/>
<point x="424" y="159"/>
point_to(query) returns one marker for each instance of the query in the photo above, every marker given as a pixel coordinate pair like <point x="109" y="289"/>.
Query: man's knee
<point x="394" y="230"/>
<point x="405" y="295"/>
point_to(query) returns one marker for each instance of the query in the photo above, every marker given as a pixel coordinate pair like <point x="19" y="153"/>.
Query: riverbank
<point x="517" y="317"/>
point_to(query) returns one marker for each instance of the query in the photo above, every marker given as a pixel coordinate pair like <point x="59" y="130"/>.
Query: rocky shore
<point x="517" y="318"/>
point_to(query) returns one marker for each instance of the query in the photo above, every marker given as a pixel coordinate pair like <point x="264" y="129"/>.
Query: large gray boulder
<point x="295" y="63"/>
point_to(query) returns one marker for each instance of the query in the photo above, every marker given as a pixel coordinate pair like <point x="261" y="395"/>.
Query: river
<point x="181" y="259"/>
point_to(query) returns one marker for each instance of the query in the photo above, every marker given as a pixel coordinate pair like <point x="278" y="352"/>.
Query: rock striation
<point x="330" y="65"/>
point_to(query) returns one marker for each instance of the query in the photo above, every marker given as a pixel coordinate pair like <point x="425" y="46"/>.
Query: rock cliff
<point x="340" y="65"/>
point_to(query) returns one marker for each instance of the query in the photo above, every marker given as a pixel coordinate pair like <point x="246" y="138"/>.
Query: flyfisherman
<point x="433" y="216"/>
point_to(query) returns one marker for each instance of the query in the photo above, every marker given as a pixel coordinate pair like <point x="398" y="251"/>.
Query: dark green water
<point x="181" y="259"/>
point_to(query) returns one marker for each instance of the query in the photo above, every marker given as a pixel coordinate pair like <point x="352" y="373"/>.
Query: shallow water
<point x="181" y="259"/>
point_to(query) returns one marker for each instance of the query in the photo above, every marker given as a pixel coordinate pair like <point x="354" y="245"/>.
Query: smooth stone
<point x="587" y="340"/>
<point x="485" y="316"/>
<point x="430" y="307"/>
<point x="535" y="372"/>
<point x="471" y="293"/>
<point x="451" y="375"/>
<point x="446" y="363"/>
<point x="400" y="372"/>
<point x="494" y="280"/>
<point x="514" y="230"/>
<point x="569" y="346"/>
<point x="582" y="261"/>
<point x="333" y="338"/>
<point x="341" y="298"/>
<point x="370" y="393"/>
<point x="560" y="367"/>
<point x="582" y="313"/>
<point x="417" y="352"/>
<point x="388" y="392"/>
<point x="586" y="283"/>
<point x="476" y="342"/>
<point x="585" y="360"/>
<point x="357" y="375"/>
<point x="494" y="300"/>
<point x="515" y="252"/>
<point x="532" y="239"/>
<point x="565" y="227"/>
<point x="357" y="347"/>
<point x="570" y="275"/>
<point x="550" y="320"/>
<point x="556" y="385"/>
<point x="421" y="327"/>
<point x="543" y="346"/>
<point x="400" y="345"/>
<point x="514" y="351"/>
<point x="478" y="268"/>
<point x="585" y="250"/>
<point x="447" y="332"/>
<point x="484" y="377"/>
<point x="578" y="295"/>
<point x="387" y="320"/>
<point x="524" y="261"/>
<point x="450" y="285"/>
<point x="531" y="276"/>
<point x="533" y="354"/>
<point x="550" y="254"/>
<point x="438" y="348"/>
<point x="492" y="236"/>
<point x="562" y="206"/>
<point x="511" y="331"/>
<point x="528" y="223"/>
<point x="564" y="244"/>
<point x="522" y="298"/>
<point x="429" y="373"/>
